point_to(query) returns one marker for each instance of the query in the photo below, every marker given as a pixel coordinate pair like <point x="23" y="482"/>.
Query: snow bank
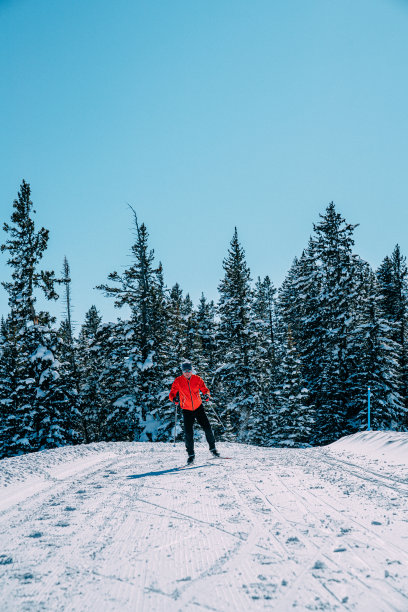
<point x="23" y="476"/>
<point x="26" y="475"/>
<point x="47" y="464"/>
<point x="389" y="445"/>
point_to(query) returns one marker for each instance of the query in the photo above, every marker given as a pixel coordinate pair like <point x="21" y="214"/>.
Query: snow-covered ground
<point x="114" y="526"/>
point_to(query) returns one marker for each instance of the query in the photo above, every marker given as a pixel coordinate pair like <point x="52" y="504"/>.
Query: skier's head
<point x="187" y="368"/>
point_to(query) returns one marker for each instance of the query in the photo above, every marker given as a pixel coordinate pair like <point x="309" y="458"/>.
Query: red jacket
<point x="189" y="391"/>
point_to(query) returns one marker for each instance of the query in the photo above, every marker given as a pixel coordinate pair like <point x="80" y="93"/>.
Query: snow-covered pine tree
<point x="8" y="426"/>
<point x="188" y="315"/>
<point x="206" y="330"/>
<point x="393" y="285"/>
<point x="295" y="416"/>
<point x="236" y="377"/>
<point x="182" y="339"/>
<point x="333" y="243"/>
<point x="67" y="355"/>
<point x="206" y="359"/>
<point x="107" y="398"/>
<point x="264" y="323"/>
<point x="374" y="361"/>
<point x="119" y="415"/>
<point x="298" y="310"/>
<point x="89" y="363"/>
<point x="54" y="423"/>
<point x="138" y="288"/>
<point x="264" y="318"/>
<point x="175" y="346"/>
<point x="38" y="398"/>
<point x="159" y="424"/>
<point x="175" y="329"/>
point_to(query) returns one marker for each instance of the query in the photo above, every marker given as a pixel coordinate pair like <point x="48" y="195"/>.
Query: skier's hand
<point x="176" y="403"/>
<point x="206" y="397"/>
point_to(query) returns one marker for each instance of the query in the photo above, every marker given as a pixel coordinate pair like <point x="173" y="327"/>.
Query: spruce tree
<point x="376" y="364"/>
<point x="264" y="359"/>
<point x="265" y="318"/>
<point x="298" y="308"/>
<point x="40" y="406"/>
<point x="119" y="416"/>
<point x="333" y="241"/>
<point x="67" y="355"/>
<point x="140" y="288"/>
<point x="8" y="425"/>
<point x="393" y="286"/>
<point x="295" y="416"/>
<point x="174" y="346"/>
<point x="235" y="377"/>
<point x="159" y="423"/>
<point x="206" y="331"/>
<point x="90" y="361"/>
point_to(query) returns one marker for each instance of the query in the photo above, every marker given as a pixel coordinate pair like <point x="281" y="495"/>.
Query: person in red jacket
<point x="187" y="389"/>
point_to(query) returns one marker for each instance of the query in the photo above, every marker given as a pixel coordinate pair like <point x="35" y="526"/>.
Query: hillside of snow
<point x="117" y="526"/>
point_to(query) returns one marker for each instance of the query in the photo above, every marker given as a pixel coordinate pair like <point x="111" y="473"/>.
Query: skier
<point x="188" y="387"/>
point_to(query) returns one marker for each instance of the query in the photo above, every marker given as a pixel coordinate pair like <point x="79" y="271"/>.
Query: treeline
<point x="286" y="368"/>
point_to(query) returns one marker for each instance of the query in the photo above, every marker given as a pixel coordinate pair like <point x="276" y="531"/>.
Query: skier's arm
<point x="203" y="388"/>
<point x="174" y="390"/>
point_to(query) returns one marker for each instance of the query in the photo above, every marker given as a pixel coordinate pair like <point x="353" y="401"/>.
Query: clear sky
<point x="203" y="114"/>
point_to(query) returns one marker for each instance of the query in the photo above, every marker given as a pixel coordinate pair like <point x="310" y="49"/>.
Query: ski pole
<point x="215" y="414"/>
<point x="175" y="423"/>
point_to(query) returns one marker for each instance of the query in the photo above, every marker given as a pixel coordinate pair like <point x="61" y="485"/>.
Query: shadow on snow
<point x="169" y="471"/>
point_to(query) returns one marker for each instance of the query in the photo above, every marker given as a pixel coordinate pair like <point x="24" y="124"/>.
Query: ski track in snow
<point x="114" y="526"/>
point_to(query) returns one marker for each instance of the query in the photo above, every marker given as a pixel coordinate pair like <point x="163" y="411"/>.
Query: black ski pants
<point x="189" y="416"/>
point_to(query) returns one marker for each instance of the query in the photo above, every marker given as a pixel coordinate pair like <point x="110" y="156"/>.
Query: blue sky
<point x="204" y="115"/>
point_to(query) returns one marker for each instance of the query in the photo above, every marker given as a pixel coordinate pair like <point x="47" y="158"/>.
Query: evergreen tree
<point x="176" y="330"/>
<point x="174" y="353"/>
<point x="140" y="287"/>
<point x="319" y="302"/>
<point x="298" y="308"/>
<point x="109" y="405"/>
<point x="90" y="362"/>
<point x="338" y="292"/>
<point x="393" y="286"/>
<point x="190" y="343"/>
<point x="26" y="248"/>
<point x="264" y="318"/>
<point x="39" y="406"/>
<point x="67" y="355"/>
<point x="264" y="359"/>
<point x="376" y="363"/>
<point x="51" y="406"/>
<point x="295" y="416"/>
<point x="8" y="425"/>
<point x="119" y="416"/>
<point x="236" y="376"/>
<point x="206" y="332"/>
<point x="159" y="423"/>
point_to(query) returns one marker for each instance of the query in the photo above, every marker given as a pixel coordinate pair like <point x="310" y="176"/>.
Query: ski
<point x="220" y="457"/>
<point x="191" y="466"/>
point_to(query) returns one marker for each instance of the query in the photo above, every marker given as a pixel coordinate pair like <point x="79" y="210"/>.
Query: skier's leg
<point x="205" y="424"/>
<point x="188" y="418"/>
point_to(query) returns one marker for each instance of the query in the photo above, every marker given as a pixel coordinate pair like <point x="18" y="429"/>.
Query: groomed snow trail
<point x="114" y="526"/>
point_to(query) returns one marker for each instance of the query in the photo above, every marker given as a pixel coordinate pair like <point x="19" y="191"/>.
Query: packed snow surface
<point x="117" y="526"/>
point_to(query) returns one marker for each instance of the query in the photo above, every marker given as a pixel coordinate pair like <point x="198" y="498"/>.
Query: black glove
<point x="206" y="397"/>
